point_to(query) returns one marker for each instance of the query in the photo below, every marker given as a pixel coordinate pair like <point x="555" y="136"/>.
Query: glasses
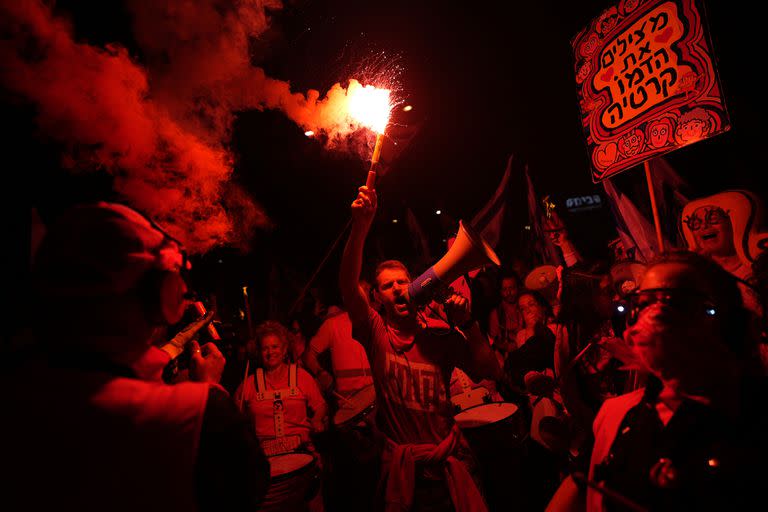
<point x="679" y="299"/>
<point x="171" y="245"/>
<point x="712" y="217"/>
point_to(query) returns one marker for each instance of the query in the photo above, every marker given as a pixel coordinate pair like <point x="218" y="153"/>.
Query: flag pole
<point x="311" y="280"/>
<point x="654" y="207"/>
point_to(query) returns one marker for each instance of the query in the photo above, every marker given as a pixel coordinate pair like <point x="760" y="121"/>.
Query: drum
<point x="496" y="432"/>
<point x="547" y="424"/>
<point x="493" y="430"/>
<point x="295" y="480"/>
<point x="498" y="422"/>
<point x="288" y="465"/>
<point x="355" y="408"/>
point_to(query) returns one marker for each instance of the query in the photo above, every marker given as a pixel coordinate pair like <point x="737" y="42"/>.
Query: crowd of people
<point x="612" y="387"/>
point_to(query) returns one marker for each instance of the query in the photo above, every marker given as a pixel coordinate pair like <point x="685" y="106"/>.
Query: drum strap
<point x="349" y="373"/>
<point x="277" y="396"/>
<point x="262" y="393"/>
<point x="277" y="408"/>
<point x="463" y="381"/>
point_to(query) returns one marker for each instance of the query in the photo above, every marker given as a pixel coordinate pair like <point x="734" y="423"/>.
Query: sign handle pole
<point x="654" y="207"/>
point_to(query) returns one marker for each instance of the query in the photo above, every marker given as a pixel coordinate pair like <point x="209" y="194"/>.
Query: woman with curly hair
<point x="285" y="406"/>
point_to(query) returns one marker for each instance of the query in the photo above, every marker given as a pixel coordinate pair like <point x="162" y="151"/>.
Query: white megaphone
<point x="468" y="252"/>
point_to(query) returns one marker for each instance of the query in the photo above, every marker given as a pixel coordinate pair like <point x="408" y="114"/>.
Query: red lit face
<point x="392" y="292"/>
<point x="273" y="351"/>
<point x="532" y="311"/>
<point x="712" y="230"/>
<point x="673" y="333"/>
<point x="509" y="290"/>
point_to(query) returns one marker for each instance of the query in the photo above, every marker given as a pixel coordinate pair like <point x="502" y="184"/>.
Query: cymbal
<point x="541" y="277"/>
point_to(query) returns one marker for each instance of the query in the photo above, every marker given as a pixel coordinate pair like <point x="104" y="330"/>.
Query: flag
<point x="488" y="221"/>
<point x="635" y="231"/>
<point x="672" y="194"/>
<point x="543" y="247"/>
<point x="634" y="219"/>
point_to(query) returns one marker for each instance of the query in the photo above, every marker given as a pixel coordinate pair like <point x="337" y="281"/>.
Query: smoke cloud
<point x="161" y="127"/>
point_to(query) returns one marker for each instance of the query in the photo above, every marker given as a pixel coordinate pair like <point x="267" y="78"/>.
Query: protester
<point x="286" y="407"/>
<point x="89" y="423"/>
<point x="542" y="342"/>
<point x="723" y="228"/>
<point x="692" y="438"/>
<point x="506" y="320"/>
<point x="350" y="370"/>
<point x="425" y="464"/>
<point x="352" y="454"/>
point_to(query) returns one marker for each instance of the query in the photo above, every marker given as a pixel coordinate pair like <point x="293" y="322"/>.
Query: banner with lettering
<point x="647" y="83"/>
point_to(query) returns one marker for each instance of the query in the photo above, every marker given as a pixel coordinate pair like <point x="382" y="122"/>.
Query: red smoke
<point x="200" y="62"/>
<point x="160" y="130"/>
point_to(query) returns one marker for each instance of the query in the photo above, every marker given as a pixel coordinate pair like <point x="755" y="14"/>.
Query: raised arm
<point x="355" y="300"/>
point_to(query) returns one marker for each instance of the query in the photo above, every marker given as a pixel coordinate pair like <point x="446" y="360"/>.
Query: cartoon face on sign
<point x="631" y="143"/>
<point x="590" y="45"/>
<point x="607" y="20"/>
<point x="660" y="133"/>
<point x="583" y="72"/>
<point x="628" y="6"/>
<point x="640" y="66"/>
<point x="693" y="126"/>
<point x="712" y="230"/>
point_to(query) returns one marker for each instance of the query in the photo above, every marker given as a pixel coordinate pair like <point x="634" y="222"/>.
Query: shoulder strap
<point x="293" y="387"/>
<point x="463" y="379"/>
<point x="261" y="384"/>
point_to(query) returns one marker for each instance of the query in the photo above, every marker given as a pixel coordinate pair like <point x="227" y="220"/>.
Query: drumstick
<point x="609" y="493"/>
<point x="245" y="378"/>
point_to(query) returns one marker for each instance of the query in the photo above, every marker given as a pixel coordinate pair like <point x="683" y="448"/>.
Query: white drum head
<point x="486" y="414"/>
<point x="288" y="463"/>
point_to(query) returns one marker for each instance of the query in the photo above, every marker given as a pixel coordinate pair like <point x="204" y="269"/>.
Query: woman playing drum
<point x="285" y="406"/>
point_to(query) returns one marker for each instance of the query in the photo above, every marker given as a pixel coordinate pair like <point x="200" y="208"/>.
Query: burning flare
<point x="162" y="127"/>
<point x="369" y="106"/>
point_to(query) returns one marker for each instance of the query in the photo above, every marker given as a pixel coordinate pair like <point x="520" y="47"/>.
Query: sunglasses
<point x="712" y="217"/>
<point x="681" y="300"/>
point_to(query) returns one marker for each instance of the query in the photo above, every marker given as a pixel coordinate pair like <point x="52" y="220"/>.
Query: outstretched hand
<point x="555" y="228"/>
<point x="364" y="207"/>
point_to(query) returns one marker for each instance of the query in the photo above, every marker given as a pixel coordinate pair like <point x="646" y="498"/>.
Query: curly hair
<point x="272" y="327"/>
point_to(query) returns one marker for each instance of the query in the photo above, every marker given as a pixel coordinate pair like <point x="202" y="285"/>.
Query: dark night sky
<point x="488" y="79"/>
